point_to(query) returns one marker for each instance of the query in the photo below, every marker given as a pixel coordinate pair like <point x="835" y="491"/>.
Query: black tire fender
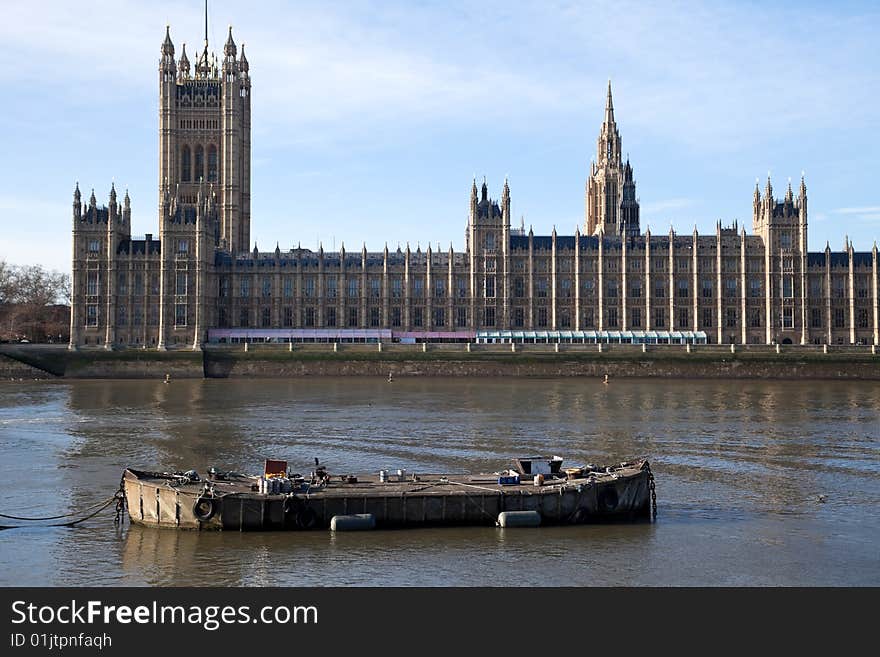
<point x="306" y="518"/>
<point x="204" y="508"/>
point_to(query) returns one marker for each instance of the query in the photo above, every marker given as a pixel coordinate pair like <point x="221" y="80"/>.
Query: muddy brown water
<point x="742" y="468"/>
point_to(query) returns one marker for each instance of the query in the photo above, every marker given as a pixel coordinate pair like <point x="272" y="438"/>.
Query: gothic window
<point x="862" y="318"/>
<point x="245" y="287"/>
<point x="612" y="317"/>
<point x="374" y="317"/>
<point x="418" y="287"/>
<point x="707" y="317"/>
<point x="417" y="317"/>
<point x="518" y="317"/>
<point x="154" y="283"/>
<point x="331" y="316"/>
<point x="635" y="317"/>
<point x="92" y="284"/>
<point x="180" y="314"/>
<point x="288" y="287"/>
<point x="310" y="287"/>
<point x="787" y="287"/>
<point x="707" y="289"/>
<point x="461" y="318"/>
<point x="816" y="317"/>
<point x="439" y="317"/>
<point x="352" y="288"/>
<point x="542" y="317"/>
<point x="91" y="315"/>
<point x="565" y="318"/>
<point x="683" y="318"/>
<point x="755" y="287"/>
<point x="244" y="318"/>
<point x="490" y="316"/>
<point x="565" y="288"/>
<point x="121" y="318"/>
<point x="212" y="163"/>
<point x="730" y="284"/>
<point x="309" y="317"/>
<point x="376" y="287"/>
<point x="683" y="288"/>
<point x="785" y="240"/>
<point x="223" y="317"/>
<point x="267" y="287"/>
<point x="122" y="284"/>
<point x="186" y="165"/>
<point x="755" y="318"/>
<point x="659" y="317"/>
<point x="731" y="318"/>
<point x="183" y="246"/>
<point x="636" y="290"/>
<point x="200" y="163"/>
<point x="94" y="246"/>
<point x="839" y="321"/>
<point x="331" y="287"/>
<point x="541" y="288"/>
<point x="138" y="283"/>
<point x="589" y="318"/>
<point x="462" y="288"/>
<point x="788" y="318"/>
<point x="266" y="317"/>
<point x="137" y="315"/>
<point x="518" y="287"/>
<point x="396" y="287"/>
<point x="353" y="316"/>
<point x="490" y="287"/>
<point x="395" y="316"/>
<point x="439" y="288"/>
<point x="288" y="317"/>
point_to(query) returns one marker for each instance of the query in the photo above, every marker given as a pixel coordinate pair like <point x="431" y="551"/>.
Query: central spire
<point x="205" y="55"/>
<point x="609" y="106"/>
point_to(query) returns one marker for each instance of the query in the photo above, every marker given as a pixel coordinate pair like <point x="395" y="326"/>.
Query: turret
<point x="77" y="203"/>
<point x="126" y="208"/>
<point x="243" y="65"/>
<point x="184" y="63"/>
<point x="167" y="67"/>
<point x="229" y="48"/>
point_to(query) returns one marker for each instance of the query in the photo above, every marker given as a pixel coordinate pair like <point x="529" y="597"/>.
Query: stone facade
<point x="200" y="274"/>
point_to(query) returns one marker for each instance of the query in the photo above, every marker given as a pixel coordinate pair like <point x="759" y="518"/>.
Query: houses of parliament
<point x="198" y="280"/>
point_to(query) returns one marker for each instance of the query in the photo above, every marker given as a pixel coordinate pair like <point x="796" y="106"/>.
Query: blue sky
<point x="371" y="118"/>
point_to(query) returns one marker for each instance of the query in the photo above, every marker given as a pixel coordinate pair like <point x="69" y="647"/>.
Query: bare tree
<point x="34" y="303"/>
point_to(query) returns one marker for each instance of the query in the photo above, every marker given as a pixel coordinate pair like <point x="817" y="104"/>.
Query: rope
<point x="65" y="515"/>
<point x="105" y="504"/>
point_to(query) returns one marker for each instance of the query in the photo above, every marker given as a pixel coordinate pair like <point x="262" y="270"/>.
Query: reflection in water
<point x="739" y="465"/>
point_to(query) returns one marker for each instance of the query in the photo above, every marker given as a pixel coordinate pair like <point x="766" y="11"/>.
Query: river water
<point x="740" y="469"/>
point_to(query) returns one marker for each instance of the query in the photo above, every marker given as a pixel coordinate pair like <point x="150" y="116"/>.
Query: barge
<point x="535" y="491"/>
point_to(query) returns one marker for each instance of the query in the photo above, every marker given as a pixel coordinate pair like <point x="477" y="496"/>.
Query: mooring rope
<point x="64" y="515"/>
<point x="71" y="523"/>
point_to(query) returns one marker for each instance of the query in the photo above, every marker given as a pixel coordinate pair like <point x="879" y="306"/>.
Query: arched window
<point x="200" y="163"/>
<point x="185" y="165"/>
<point x="212" y="163"/>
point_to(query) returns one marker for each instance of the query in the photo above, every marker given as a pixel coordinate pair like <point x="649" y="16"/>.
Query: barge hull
<point x="155" y="500"/>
